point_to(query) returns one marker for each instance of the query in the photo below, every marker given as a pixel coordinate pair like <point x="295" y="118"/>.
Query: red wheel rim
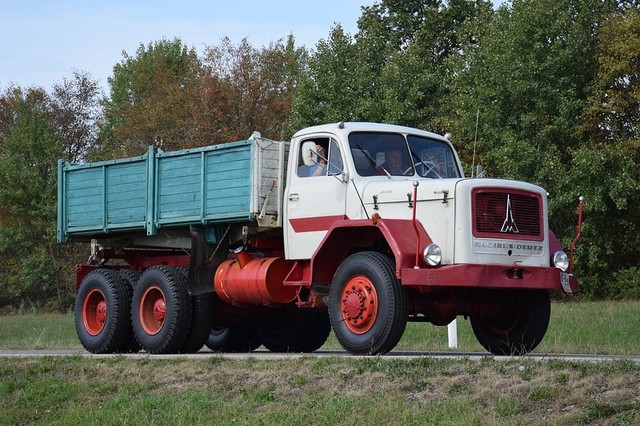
<point x="359" y="304"/>
<point x="152" y="310"/>
<point x="94" y="312"/>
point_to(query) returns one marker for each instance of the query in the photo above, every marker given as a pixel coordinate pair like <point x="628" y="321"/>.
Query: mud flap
<point x="204" y="261"/>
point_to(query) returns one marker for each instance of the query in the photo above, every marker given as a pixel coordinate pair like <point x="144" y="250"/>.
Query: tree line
<point x="545" y="91"/>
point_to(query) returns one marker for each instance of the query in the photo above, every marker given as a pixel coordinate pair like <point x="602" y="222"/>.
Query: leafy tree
<point x="525" y="80"/>
<point x="613" y="113"/>
<point x="520" y="81"/>
<point x="529" y="80"/>
<point x="397" y="69"/>
<point x="606" y="164"/>
<point x="36" y="130"/>
<point x="328" y="92"/>
<point x="168" y="96"/>
<point x="28" y="158"/>
<point x="245" y="89"/>
<point x="75" y="113"/>
<point x="148" y="103"/>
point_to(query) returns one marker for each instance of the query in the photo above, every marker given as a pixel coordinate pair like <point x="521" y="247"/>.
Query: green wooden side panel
<point x="204" y="186"/>
<point x="156" y="190"/>
<point x="103" y="197"/>
<point x="178" y="188"/>
<point x="228" y="183"/>
<point x="126" y="194"/>
<point x="84" y="196"/>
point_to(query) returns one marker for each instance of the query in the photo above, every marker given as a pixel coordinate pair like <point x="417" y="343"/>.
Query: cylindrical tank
<point x="247" y="281"/>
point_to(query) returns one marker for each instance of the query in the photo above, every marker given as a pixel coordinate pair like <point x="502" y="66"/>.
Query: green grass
<point x="332" y="390"/>
<point x="338" y="390"/>
<point x="610" y="327"/>
<point x="38" y="331"/>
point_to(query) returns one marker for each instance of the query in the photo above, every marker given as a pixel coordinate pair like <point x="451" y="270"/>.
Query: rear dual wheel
<point x="102" y="312"/>
<point x="237" y="339"/>
<point x="130" y="278"/>
<point x="161" y="314"/>
<point x="292" y="329"/>
<point x="201" y="317"/>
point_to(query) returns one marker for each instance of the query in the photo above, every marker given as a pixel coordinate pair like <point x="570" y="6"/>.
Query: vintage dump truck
<point x="355" y="227"/>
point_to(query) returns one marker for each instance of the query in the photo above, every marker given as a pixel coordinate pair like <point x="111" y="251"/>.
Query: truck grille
<point x="507" y="213"/>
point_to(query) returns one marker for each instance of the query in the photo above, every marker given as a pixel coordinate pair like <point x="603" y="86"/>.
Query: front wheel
<point x="367" y="305"/>
<point x="515" y="323"/>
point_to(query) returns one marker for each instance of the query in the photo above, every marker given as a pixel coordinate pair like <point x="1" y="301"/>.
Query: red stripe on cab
<point x="315" y="224"/>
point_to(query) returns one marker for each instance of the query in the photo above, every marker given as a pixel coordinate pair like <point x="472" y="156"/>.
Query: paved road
<point x="263" y="354"/>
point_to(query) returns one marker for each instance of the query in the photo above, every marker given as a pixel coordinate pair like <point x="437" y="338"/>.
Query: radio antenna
<point x="475" y="142"/>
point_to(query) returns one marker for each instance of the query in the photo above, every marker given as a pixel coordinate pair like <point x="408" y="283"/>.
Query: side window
<point x="317" y="166"/>
<point x="336" y="165"/>
<point x="326" y="158"/>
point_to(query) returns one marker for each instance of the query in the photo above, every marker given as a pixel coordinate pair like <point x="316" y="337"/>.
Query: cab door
<point x="313" y="201"/>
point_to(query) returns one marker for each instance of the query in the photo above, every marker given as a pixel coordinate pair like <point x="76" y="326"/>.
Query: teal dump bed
<point x="233" y="182"/>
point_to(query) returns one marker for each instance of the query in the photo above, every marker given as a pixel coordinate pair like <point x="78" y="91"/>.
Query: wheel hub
<point x="94" y="312"/>
<point x="152" y="310"/>
<point x="159" y="310"/>
<point x="359" y="304"/>
<point x="101" y="311"/>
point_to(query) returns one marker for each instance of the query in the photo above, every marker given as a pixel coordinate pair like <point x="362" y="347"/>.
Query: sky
<point x="44" y="41"/>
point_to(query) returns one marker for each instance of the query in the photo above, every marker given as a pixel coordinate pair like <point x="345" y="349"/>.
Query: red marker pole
<point x="575" y="240"/>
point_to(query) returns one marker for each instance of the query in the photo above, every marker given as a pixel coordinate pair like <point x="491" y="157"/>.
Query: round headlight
<point x="561" y="260"/>
<point x="432" y="254"/>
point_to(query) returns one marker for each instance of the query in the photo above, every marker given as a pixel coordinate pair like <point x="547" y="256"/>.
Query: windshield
<point x="380" y="154"/>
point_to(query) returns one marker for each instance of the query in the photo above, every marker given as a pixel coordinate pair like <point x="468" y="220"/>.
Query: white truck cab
<point x="369" y="168"/>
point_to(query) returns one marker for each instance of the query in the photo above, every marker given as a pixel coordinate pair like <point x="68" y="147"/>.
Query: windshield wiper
<point x="372" y="161"/>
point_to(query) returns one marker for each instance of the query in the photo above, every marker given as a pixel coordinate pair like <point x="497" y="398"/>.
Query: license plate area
<point x="565" y="281"/>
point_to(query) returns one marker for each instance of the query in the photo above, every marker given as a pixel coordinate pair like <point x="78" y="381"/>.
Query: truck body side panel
<point x="205" y="186"/>
<point x="233" y="182"/>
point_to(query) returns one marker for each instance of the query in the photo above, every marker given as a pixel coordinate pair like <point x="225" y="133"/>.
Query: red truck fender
<point x="397" y="236"/>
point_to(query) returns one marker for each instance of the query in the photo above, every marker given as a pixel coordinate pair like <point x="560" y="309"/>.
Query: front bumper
<point x="491" y="276"/>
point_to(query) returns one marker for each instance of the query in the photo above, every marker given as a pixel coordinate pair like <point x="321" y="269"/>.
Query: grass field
<point x="586" y="328"/>
<point x="333" y="390"/>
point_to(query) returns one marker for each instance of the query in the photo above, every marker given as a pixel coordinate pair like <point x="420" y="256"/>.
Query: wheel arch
<point x="394" y="237"/>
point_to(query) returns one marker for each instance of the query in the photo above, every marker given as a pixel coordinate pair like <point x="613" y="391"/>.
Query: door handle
<point x="294" y="197"/>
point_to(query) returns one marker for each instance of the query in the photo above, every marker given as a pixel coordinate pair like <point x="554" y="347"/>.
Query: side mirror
<point x="479" y="171"/>
<point x="309" y="154"/>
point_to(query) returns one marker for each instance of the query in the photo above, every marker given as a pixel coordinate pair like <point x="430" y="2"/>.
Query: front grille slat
<point x="507" y="213"/>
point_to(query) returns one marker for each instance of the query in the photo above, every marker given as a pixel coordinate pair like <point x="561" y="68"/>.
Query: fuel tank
<point x="254" y="281"/>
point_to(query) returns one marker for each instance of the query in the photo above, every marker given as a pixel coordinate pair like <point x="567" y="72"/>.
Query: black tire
<point x="102" y="312"/>
<point x="158" y="288"/>
<point x="367" y="305"/>
<point x="130" y="278"/>
<point x="283" y="330"/>
<point x="318" y="333"/>
<point x="517" y="324"/>
<point x="201" y="320"/>
<point x="201" y="317"/>
<point x="239" y="339"/>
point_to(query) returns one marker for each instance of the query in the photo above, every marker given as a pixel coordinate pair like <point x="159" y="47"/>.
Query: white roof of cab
<point x="343" y="129"/>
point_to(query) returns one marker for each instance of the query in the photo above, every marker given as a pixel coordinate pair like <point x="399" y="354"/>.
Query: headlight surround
<point x="432" y="254"/>
<point x="560" y="260"/>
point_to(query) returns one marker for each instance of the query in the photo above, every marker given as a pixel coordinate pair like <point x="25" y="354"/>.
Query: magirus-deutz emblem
<point x="509" y="225"/>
